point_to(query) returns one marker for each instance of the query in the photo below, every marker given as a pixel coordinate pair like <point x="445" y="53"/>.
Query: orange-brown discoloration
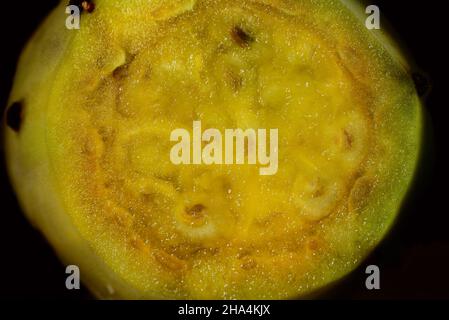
<point x="169" y="261"/>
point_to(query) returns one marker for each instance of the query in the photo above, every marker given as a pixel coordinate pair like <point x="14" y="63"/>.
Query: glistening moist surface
<point x="137" y="71"/>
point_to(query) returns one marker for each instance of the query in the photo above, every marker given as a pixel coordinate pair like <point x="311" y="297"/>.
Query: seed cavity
<point x="14" y="115"/>
<point x="348" y="139"/>
<point x="107" y="134"/>
<point x="169" y="261"/>
<point x="118" y="216"/>
<point x="234" y="80"/>
<point x="316" y="188"/>
<point x="120" y="72"/>
<point x="138" y="244"/>
<point x="247" y="262"/>
<point x="242" y="38"/>
<point x="360" y="193"/>
<point x="197" y="211"/>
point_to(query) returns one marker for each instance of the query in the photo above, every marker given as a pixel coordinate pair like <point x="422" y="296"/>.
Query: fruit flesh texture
<point x="91" y="162"/>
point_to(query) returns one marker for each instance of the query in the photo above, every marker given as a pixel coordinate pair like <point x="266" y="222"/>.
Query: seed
<point x="242" y="38"/>
<point x="196" y="211"/>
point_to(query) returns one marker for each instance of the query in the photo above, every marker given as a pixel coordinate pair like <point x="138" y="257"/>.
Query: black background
<point x="414" y="259"/>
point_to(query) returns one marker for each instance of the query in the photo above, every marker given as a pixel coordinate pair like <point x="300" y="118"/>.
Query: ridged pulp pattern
<point x="348" y="120"/>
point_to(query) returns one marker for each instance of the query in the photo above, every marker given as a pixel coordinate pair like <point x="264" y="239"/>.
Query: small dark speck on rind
<point x="84" y="5"/>
<point x="14" y="115"/>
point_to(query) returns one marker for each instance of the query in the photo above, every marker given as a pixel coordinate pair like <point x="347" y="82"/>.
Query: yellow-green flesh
<point x="91" y="162"/>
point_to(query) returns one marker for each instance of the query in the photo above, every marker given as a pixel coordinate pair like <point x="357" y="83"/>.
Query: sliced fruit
<point x="88" y="149"/>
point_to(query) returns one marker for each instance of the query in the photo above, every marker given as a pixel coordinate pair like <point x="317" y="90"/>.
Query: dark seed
<point x="120" y="72"/>
<point x="14" y="116"/>
<point x="240" y="37"/>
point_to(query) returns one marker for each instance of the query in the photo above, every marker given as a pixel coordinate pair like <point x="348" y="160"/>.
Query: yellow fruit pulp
<point x="348" y="120"/>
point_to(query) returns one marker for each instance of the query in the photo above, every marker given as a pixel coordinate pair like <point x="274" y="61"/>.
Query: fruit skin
<point x="31" y="171"/>
<point x="27" y="159"/>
